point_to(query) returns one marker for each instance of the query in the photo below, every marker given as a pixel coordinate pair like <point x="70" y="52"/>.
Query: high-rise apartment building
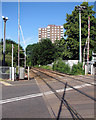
<point x="52" y="32"/>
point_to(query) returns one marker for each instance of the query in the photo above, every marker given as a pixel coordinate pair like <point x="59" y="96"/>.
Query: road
<point x="33" y="99"/>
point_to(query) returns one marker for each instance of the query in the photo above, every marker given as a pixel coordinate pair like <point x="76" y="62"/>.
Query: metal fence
<point x="10" y="73"/>
<point x="4" y="72"/>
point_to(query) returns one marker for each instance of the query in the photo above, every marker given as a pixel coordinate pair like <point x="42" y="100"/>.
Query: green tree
<point x="72" y="31"/>
<point x="61" y="49"/>
<point x="29" y="52"/>
<point x="8" y="53"/>
<point x="46" y="52"/>
<point x="35" y="54"/>
<point x="42" y="53"/>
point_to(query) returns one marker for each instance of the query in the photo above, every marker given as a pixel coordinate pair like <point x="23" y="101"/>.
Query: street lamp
<point x="4" y="42"/>
<point x="80" y="8"/>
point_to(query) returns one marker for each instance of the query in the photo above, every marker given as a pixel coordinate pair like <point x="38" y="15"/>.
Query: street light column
<point x="4" y="41"/>
<point x="80" y="8"/>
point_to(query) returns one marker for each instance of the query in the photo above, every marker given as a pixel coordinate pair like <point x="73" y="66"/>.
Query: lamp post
<point x="4" y="42"/>
<point x="80" y="8"/>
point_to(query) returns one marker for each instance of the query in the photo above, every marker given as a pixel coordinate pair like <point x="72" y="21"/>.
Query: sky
<point x="34" y="15"/>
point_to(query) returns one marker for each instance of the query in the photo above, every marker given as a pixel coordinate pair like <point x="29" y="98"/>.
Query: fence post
<point x="28" y="72"/>
<point x="15" y="74"/>
<point x="12" y="73"/>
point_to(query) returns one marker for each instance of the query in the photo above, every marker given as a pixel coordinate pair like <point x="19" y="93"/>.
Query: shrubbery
<point x="44" y="66"/>
<point x="77" y="69"/>
<point x="61" y="66"/>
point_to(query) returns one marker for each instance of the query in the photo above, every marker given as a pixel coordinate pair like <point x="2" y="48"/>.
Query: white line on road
<point x="39" y="94"/>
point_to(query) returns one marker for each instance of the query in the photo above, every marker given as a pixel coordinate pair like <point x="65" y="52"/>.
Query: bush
<point x="44" y="67"/>
<point x="77" y="69"/>
<point x="61" y="66"/>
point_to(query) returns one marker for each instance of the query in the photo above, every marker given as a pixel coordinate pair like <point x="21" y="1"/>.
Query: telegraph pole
<point x="18" y="37"/>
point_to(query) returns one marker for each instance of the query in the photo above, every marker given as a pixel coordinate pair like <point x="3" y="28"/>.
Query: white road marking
<point x="36" y="81"/>
<point x="39" y="94"/>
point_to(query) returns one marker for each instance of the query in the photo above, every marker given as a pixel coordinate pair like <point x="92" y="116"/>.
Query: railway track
<point x="68" y="76"/>
<point x="50" y="76"/>
<point x="73" y="112"/>
<point x="42" y="74"/>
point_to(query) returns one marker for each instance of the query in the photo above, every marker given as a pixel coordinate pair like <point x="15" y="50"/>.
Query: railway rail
<point x="67" y="84"/>
<point x="72" y="111"/>
<point x="68" y="76"/>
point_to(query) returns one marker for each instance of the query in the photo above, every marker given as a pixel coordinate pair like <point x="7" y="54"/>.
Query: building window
<point x="61" y="26"/>
<point x="48" y="26"/>
<point x="48" y="29"/>
<point x="39" y="28"/>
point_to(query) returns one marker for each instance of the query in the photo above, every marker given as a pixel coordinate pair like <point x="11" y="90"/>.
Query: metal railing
<point x="4" y="72"/>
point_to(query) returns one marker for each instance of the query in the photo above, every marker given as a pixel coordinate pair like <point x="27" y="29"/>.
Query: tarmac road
<point x="32" y="107"/>
<point x="27" y="99"/>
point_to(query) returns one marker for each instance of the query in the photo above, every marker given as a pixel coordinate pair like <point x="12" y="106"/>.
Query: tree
<point x="42" y="53"/>
<point x="8" y="53"/>
<point x="46" y="52"/>
<point x="29" y="52"/>
<point x="72" y="31"/>
<point x="61" y="49"/>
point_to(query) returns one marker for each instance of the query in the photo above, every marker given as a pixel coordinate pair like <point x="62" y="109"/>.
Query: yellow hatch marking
<point x="5" y="83"/>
